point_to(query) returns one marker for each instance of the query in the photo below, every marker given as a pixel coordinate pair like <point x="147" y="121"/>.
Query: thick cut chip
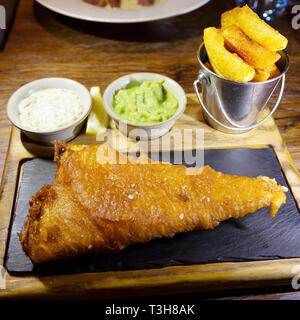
<point x="209" y="66"/>
<point x="250" y="51"/>
<point x="273" y="70"/>
<point x="254" y="27"/>
<point x="261" y="75"/>
<point x="226" y="64"/>
<point x="269" y="73"/>
<point x="229" y="17"/>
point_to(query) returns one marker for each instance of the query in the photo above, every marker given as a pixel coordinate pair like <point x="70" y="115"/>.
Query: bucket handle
<point x="203" y="81"/>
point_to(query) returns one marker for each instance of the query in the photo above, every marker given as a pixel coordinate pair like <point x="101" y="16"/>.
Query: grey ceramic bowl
<point x="66" y="133"/>
<point x="144" y="131"/>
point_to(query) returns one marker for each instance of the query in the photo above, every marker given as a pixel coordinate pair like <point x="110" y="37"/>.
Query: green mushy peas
<point x="146" y="102"/>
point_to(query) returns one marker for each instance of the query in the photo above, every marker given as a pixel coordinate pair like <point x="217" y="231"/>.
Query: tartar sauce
<point x="50" y="109"/>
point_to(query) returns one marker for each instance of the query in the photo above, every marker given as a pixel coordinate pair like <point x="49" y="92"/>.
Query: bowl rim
<point x="180" y="110"/>
<point x="33" y="83"/>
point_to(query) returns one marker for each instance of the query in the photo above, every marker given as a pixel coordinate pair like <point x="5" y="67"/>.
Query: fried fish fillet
<point x="96" y="206"/>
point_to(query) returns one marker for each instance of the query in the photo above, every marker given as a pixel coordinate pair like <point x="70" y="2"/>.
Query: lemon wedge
<point x="98" y="119"/>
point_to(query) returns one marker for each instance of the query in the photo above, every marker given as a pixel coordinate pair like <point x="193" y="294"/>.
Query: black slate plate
<point x="254" y="237"/>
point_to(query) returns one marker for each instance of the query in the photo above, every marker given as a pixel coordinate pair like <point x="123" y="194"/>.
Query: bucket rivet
<point x="203" y="78"/>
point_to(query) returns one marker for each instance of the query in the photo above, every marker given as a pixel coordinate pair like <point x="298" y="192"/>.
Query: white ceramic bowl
<point x="144" y="131"/>
<point x="66" y="133"/>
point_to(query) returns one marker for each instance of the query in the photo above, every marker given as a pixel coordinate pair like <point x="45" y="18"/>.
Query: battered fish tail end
<point x="278" y="196"/>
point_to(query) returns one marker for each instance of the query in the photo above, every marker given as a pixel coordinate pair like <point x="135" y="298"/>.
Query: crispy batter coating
<point x="94" y="206"/>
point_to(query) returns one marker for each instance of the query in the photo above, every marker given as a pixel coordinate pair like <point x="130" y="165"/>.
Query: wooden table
<point x="45" y="44"/>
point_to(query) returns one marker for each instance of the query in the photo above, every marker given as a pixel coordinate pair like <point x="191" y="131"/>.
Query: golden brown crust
<point x="96" y="206"/>
<point x="59" y="148"/>
<point x="250" y="51"/>
<point x="34" y="213"/>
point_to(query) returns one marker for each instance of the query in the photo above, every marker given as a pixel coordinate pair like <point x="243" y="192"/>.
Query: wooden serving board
<point x="175" y="279"/>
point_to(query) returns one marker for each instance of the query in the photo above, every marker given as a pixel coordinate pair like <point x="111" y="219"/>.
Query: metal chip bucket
<point x="232" y="106"/>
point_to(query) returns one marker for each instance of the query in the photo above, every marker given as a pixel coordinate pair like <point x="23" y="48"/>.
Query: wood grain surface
<point x="45" y="44"/>
<point x="162" y="281"/>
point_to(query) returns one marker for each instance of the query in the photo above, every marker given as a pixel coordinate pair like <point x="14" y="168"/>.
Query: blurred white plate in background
<point x="85" y="11"/>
